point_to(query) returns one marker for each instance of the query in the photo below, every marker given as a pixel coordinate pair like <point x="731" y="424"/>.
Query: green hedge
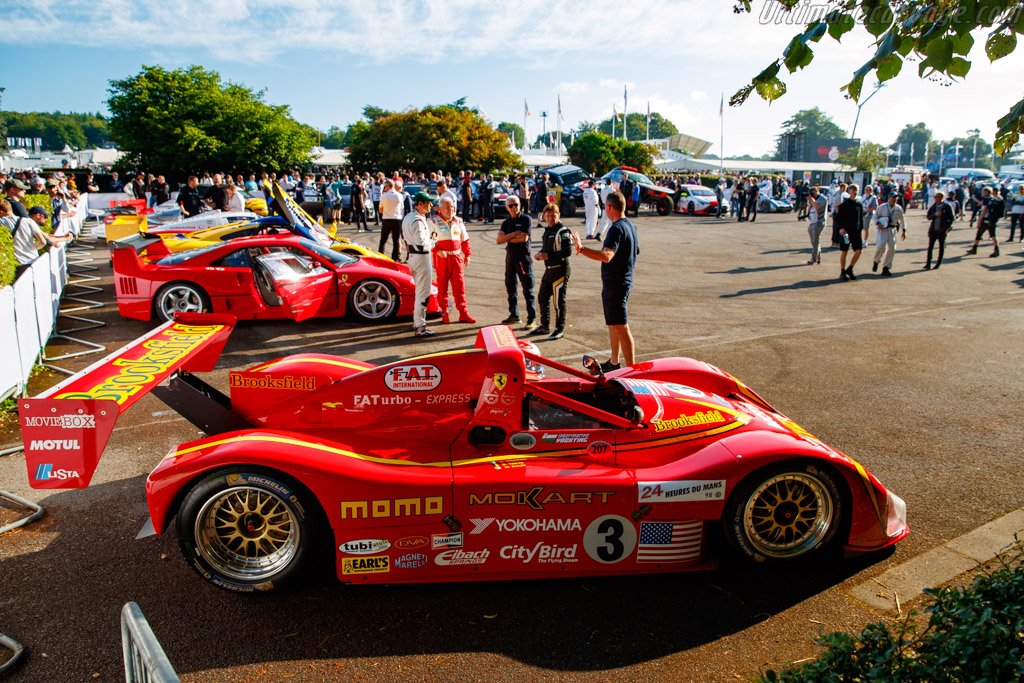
<point x="7" y="261"/>
<point x="974" y="634"/>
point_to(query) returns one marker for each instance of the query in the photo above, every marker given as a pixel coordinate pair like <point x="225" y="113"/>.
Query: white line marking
<point x="892" y="310"/>
<point x="149" y="424"/>
<point x="963" y="301"/>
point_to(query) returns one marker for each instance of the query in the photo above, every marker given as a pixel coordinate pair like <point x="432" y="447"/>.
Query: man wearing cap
<point x="14" y="190"/>
<point x="29" y="237"/>
<point x="38" y="186"/>
<point x="416" y="233"/>
<point x="514" y="233"/>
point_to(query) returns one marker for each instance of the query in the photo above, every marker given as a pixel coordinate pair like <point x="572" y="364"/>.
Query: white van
<point x="970" y="173"/>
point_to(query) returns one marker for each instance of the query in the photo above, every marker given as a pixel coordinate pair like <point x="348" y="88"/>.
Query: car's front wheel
<point x="245" y="530"/>
<point x="180" y="297"/>
<point x="784" y="513"/>
<point x="373" y="300"/>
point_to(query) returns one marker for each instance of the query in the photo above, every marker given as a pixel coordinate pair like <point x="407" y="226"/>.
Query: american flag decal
<point x="670" y="541"/>
<point x="649" y="387"/>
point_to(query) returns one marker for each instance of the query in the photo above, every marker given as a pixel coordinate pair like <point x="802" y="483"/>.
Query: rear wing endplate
<point x="66" y="428"/>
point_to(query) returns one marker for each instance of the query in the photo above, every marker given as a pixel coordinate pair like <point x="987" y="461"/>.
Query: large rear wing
<point x="66" y="428"/>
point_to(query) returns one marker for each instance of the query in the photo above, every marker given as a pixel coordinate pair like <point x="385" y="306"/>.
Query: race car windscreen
<point x="187" y="255"/>
<point x="335" y="257"/>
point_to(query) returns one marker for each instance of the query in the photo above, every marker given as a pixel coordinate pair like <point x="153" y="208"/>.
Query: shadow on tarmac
<point x="64" y="600"/>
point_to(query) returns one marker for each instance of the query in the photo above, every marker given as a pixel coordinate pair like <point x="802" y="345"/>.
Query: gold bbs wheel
<point x="785" y="514"/>
<point x="244" y="531"/>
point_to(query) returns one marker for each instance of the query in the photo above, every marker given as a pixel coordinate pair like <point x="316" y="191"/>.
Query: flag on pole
<point x="526" y="109"/>
<point x="648" y="111"/>
<point x="721" y="107"/>
<point x="560" y="119"/>
<point x="911" y="152"/>
<point x="615" y="112"/>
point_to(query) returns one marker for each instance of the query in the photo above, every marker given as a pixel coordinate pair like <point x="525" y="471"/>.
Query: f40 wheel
<point x="784" y="513"/>
<point x="373" y="300"/>
<point x="180" y="297"/>
<point x="245" y="530"/>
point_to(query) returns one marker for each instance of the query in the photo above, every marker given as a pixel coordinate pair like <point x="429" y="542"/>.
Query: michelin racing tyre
<point x="180" y="297"/>
<point x="245" y="530"/>
<point x="784" y="513"/>
<point x="372" y="300"/>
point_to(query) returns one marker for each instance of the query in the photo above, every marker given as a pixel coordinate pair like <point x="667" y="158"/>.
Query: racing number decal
<point x="609" y="539"/>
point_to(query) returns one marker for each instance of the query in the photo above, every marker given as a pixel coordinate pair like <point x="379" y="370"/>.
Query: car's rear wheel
<point x="373" y="300"/>
<point x="245" y="530"/>
<point x="180" y="297"/>
<point x="664" y="206"/>
<point x="691" y="209"/>
<point x="784" y="513"/>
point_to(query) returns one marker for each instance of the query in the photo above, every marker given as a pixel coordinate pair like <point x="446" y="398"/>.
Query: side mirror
<point x="591" y="365"/>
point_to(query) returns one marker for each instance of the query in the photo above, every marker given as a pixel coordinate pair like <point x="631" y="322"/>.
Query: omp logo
<point x="63" y="421"/>
<point x="536" y="498"/>
<point x="399" y="507"/>
<point x="53" y="445"/>
<point x="481" y="525"/>
<point x="46" y="472"/>
<point x="412" y="378"/>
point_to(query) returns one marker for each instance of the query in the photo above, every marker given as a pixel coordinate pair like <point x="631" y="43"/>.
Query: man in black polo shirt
<point x="515" y="235"/>
<point x="189" y="199"/>
<point x="618" y="258"/>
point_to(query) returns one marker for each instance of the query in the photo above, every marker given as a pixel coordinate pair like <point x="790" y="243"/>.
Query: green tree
<point x="935" y="34"/>
<point x="371" y="113"/>
<point x="915" y="136"/>
<point x="433" y="137"/>
<point x="178" y="122"/>
<point x="515" y="130"/>
<point x="355" y="132"/>
<point x="598" y="153"/>
<point x="813" y="122"/>
<point x="56" y="129"/>
<point x="967" y="157"/>
<point x="866" y="157"/>
<point x="334" y="138"/>
<point x="637" y="126"/>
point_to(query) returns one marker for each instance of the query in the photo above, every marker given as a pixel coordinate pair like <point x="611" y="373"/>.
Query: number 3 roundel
<point x="609" y="539"/>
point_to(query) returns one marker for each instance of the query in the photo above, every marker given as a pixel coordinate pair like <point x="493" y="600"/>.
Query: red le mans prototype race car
<point x="483" y="463"/>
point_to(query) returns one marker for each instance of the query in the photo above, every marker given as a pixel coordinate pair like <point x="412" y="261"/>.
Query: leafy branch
<point x="934" y="33"/>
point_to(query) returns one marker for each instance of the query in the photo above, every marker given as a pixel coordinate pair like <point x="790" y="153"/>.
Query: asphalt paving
<point x="917" y="376"/>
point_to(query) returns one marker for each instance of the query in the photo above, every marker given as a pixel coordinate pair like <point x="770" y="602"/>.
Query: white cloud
<point x="698" y="95"/>
<point x="572" y="87"/>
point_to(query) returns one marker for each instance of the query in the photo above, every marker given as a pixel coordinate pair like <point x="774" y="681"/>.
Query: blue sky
<point x="328" y="59"/>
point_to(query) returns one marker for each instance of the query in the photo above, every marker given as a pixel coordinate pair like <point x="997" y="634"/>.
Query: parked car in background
<point x="696" y="200"/>
<point x="570" y="178"/>
<point x="656" y="196"/>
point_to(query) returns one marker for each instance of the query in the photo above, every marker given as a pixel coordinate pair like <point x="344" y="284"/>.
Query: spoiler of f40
<point x="66" y="428"/>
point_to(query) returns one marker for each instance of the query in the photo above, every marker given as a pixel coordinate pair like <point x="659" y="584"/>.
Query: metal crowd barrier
<point x="144" y="659"/>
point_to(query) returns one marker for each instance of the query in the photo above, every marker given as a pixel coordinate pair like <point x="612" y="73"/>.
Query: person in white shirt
<point x="392" y="210"/>
<point x="416" y="233"/>
<point x="888" y="219"/>
<point x="234" y="199"/>
<point x="870" y="203"/>
<point x="605" y="221"/>
<point x="443" y="190"/>
<point x="590" y="208"/>
<point x="375" y="191"/>
<point x="27" y="234"/>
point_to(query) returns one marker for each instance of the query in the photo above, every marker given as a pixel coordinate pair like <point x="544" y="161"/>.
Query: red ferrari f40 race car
<point x="476" y="464"/>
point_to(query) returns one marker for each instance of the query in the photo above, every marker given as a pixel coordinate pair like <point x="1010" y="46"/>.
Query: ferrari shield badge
<point x="500" y="380"/>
